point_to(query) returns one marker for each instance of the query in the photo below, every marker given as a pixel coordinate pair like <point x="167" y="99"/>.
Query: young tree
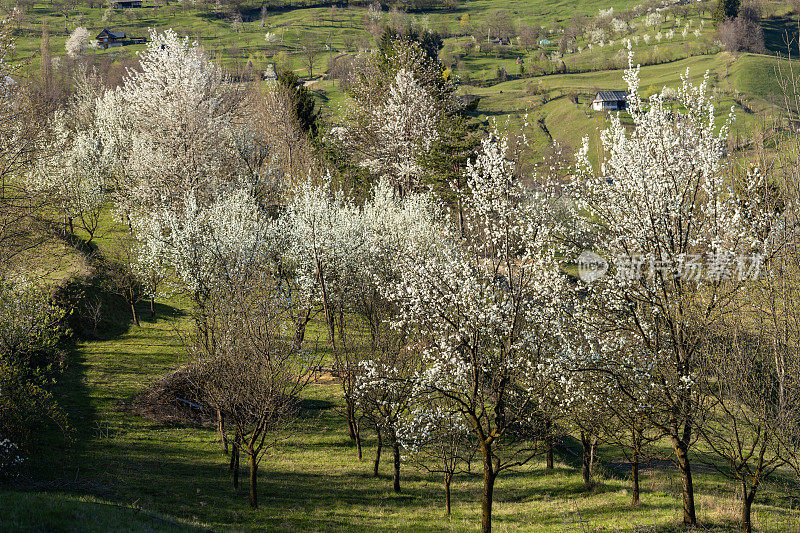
<point x="658" y="205"/>
<point x="746" y="410"/>
<point x="384" y="388"/>
<point x="250" y="372"/>
<point x="438" y="441"/>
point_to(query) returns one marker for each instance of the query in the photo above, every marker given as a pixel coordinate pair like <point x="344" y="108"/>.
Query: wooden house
<point x="109" y="39"/>
<point x="610" y="101"/>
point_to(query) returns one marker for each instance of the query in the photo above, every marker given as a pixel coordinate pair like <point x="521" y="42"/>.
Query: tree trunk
<point x="300" y="329"/>
<point x="235" y="465"/>
<point x="396" y="453"/>
<point x="221" y="432"/>
<point x="377" y="453"/>
<point x="489" y="476"/>
<point x="682" y="456"/>
<point x="135" y="316"/>
<point x="747" y="504"/>
<point x="358" y="440"/>
<point x="350" y="413"/>
<point x="253" y="480"/>
<point x="548" y="441"/>
<point x="635" y="478"/>
<point x="593" y="455"/>
<point x="447" y="479"/>
<point x="152" y="307"/>
<point x="586" y="460"/>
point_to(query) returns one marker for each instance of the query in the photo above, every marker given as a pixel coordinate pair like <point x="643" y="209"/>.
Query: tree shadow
<point x="781" y="35"/>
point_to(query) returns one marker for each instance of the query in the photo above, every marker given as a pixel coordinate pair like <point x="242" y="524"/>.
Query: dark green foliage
<point x="305" y="108"/>
<point x="430" y="42"/>
<point x="26" y="406"/>
<point x="726" y="9"/>
<point x="447" y="159"/>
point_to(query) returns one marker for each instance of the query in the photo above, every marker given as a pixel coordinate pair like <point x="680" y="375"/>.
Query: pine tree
<point x="304" y="106"/>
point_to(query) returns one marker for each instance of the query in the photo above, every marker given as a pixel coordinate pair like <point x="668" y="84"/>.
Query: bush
<point x="30" y="334"/>
<point x="26" y="407"/>
<point x="741" y="35"/>
<point x="30" y="323"/>
<point x="10" y="460"/>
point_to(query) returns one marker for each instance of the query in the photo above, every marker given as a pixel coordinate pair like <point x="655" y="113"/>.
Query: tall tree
<point x="488" y="309"/>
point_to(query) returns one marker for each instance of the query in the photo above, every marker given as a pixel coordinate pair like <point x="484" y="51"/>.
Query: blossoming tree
<point x="679" y="234"/>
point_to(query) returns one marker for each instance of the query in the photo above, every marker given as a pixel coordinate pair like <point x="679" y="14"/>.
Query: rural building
<point x="610" y="101"/>
<point x="125" y="4"/>
<point x="108" y="39"/>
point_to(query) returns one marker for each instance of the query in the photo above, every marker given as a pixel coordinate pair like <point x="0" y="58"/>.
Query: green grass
<point x="25" y="511"/>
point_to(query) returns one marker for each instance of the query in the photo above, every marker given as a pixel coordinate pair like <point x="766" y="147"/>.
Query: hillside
<point x="231" y="159"/>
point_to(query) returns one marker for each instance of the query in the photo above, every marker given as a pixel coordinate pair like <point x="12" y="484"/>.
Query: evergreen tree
<point x="446" y="162"/>
<point x="726" y="9"/>
<point x="305" y="108"/>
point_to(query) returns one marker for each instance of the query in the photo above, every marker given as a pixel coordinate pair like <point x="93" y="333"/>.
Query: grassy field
<point x="747" y="82"/>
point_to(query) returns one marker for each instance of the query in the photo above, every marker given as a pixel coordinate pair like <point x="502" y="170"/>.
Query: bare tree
<point x="310" y="52"/>
<point x="248" y="370"/>
<point x="746" y="409"/>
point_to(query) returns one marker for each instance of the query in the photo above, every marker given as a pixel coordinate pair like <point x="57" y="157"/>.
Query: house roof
<point x="611" y="96"/>
<point x="112" y="34"/>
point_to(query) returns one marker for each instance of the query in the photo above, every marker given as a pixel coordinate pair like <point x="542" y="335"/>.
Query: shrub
<point x="10" y="460"/>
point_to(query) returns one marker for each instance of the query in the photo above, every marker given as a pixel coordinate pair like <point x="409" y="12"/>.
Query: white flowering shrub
<point x="29" y="320"/>
<point x="78" y="42"/>
<point x="654" y="19"/>
<point x="596" y="35"/>
<point x="11" y="460"/>
<point x="619" y="26"/>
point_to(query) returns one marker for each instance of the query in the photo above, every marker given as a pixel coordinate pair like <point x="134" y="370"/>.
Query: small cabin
<point x="108" y="39"/>
<point x="126" y="4"/>
<point x="610" y="101"/>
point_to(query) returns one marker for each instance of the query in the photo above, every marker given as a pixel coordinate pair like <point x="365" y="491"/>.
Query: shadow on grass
<point x="780" y="34"/>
